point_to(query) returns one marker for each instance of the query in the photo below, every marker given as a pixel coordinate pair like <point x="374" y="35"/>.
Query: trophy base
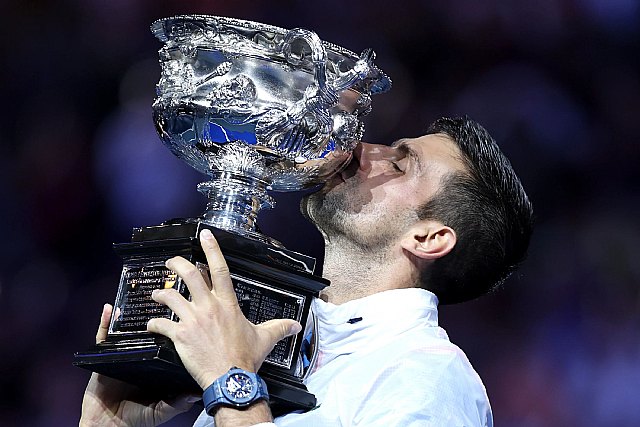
<point x="270" y="282"/>
<point x="155" y="368"/>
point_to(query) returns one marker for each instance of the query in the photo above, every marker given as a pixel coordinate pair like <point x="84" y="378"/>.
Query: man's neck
<point x="356" y="272"/>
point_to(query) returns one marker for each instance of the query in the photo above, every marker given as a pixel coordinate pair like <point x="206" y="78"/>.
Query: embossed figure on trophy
<point x="303" y="130"/>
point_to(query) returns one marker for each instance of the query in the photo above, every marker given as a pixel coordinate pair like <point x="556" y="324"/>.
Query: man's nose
<point x="367" y="154"/>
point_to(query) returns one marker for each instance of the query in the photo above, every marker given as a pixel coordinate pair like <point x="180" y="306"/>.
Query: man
<point x="439" y="218"/>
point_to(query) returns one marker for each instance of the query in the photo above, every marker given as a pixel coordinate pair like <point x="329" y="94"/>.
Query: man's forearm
<point x="257" y="413"/>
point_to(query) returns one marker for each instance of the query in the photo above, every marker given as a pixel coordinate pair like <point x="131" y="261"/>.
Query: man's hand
<point x="213" y="335"/>
<point x="109" y="402"/>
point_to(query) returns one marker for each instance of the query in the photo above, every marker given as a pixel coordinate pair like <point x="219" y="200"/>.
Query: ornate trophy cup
<point x="256" y="108"/>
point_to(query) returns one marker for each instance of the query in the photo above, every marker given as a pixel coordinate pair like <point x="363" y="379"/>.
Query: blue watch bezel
<point x="217" y="394"/>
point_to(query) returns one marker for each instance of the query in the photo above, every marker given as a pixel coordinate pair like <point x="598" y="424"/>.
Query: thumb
<point x="278" y="329"/>
<point x="103" y="329"/>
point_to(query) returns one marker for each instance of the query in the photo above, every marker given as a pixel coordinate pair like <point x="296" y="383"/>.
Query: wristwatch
<point x="237" y="388"/>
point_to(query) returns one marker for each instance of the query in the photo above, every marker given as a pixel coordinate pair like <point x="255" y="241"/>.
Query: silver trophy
<point x="258" y="108"/>
<point x="255" y="108"/>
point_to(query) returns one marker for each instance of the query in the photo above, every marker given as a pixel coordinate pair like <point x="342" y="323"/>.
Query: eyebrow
<point x="405" y="148"/>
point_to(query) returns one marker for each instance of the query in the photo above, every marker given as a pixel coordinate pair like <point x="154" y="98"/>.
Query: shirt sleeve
<point x="205" y="420"/>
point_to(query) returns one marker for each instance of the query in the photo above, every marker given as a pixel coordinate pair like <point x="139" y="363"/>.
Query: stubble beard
<point x="326" y="209"/>
<point x="337" y="212"/>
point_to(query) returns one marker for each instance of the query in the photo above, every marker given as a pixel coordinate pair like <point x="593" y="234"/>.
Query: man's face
<point x="375" y="198"/>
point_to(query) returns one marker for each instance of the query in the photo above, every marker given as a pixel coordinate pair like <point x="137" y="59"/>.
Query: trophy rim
<point x="382" y="82"/>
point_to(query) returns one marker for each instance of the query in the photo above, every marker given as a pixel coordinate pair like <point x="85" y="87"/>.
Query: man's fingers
<point x="220" y="278"/>
<point x="191" y="276"/>
<point x="162" y="326"/>
<point x="172" y="299"/>
<point x="101" y="335"/>
<point x="280" y="328"/>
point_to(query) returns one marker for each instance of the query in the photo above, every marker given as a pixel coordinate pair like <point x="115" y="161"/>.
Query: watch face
<point x="240" y="387"/>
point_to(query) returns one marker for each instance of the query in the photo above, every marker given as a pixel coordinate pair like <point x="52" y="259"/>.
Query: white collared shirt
<point x="395" y="367"/>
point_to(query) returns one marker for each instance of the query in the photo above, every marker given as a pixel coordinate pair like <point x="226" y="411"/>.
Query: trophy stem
<point x="234" y="202"/>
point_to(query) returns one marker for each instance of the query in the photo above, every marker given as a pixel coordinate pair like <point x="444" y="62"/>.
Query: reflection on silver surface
<point x="257" y="107"/>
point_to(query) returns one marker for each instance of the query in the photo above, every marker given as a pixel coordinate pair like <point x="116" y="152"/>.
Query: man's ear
<point x="429" y="240"/>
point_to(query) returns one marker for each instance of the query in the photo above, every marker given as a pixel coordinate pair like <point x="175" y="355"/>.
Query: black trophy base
<point x="155" y="368"/>
<point x="270" y="282"/>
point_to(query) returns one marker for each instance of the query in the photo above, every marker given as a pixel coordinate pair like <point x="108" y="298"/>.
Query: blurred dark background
<point x="557" y="83"/>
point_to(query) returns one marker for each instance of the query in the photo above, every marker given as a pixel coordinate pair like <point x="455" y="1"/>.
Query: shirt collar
<point x="371" y="321"/>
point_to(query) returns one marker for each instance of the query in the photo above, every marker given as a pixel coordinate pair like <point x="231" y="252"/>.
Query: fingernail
<point x="206" y="234"/>
<point x="295" y="328"/>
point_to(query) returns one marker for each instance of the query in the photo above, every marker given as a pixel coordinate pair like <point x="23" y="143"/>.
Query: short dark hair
<point x="487" y="208"/>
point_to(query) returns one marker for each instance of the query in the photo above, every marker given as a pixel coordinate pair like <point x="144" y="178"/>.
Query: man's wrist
<point x="237" y="388"/>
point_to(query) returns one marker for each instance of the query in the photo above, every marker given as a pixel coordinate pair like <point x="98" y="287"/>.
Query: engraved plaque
<point x="260" y="303"/>
<point x="134" y="306"/>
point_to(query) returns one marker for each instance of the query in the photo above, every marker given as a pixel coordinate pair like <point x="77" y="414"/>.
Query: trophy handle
<point x="288" y="131"/>
<point x="318" y="53"/>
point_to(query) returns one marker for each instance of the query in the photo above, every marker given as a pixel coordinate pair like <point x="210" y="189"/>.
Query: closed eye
<point x="400" y="163"/>
<point x="407" y="157"/>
